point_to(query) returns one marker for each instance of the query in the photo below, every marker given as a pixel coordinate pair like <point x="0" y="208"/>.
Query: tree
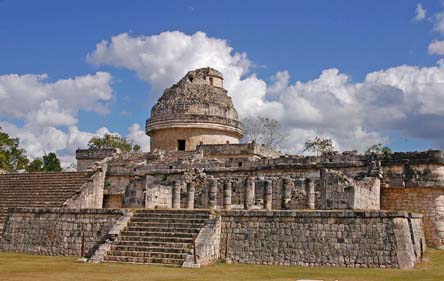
<point x="319" y="145"/>
<point x="379" y="149"/>
<point x="48" y="163"/>
<point x="51" y="163"/>
<point x="264" y="130"/>
<point x="136" y="148"/>
<point x="36" y="165"/>
<point x="12" y="157"/>
<point x="110" y="141"/>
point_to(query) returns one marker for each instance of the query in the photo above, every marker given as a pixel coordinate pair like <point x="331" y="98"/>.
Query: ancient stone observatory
<point x="196" y="110"/>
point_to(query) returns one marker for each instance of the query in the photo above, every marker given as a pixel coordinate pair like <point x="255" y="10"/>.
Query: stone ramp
<point x="158" y="237"/>
<point x="48" y="190"/>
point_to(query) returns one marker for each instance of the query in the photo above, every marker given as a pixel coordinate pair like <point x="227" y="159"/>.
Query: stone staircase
<point x="47" y="190"/>
<point x="158" y="237"/>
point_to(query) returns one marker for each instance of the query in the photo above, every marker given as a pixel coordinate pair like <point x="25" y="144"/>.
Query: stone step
<point x="162" y="255"/>
<point x="168" y="220"/>
<point x="156" y="261"/>
<point x="163" y="229"/>
<point x="148" y="244"/>
<point x="147" y="234"/>
<point x="133" y="248"/>
<point x="173" y="213"/>
<point x="157" y="239"/>
<point x="166" y="225"/>
<point x="158" y="236"/>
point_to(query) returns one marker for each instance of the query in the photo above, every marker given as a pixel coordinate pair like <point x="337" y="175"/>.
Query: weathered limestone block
<point x="190" y="195"/>
<point x="268" y="195"/>
<point x="176" y="195"/>
<point x="250" y="193"/>
<point x="404" y="246"/>
<point x="134" y="196"/>
<point x="227" y="194"/>
<point x="212" y="193"/>
<point x="207" y="245"/>
<point x="286" y="197"/>
<point x="311" y="194"/>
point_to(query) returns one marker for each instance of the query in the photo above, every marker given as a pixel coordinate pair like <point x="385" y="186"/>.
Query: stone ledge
<point x="68" y="211"/>
<point x="320" y="214"/>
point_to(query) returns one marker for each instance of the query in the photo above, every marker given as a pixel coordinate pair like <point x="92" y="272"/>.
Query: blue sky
<point x="303" y="38"/>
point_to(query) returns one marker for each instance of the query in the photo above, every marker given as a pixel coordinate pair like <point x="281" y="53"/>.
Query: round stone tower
<point x="196" y="110"/>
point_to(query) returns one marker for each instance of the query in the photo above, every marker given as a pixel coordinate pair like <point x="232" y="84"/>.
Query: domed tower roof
<point x="198" y="100"/>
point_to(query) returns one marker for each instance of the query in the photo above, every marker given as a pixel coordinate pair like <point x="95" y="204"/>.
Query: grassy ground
<point x="26" y="267"/>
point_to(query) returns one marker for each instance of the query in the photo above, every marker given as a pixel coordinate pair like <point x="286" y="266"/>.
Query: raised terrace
<point x="38" y="190"/>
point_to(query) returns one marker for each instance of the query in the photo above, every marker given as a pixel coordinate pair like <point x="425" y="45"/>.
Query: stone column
<point x="286" y="193"/>
<point x="311" y="195"/>
<point x="227" y="195"/>
<point x="268" y="194"/>
<point x="176" y="195"/>
<point x="250" y="190"/>
<point x="212" y="194"/>
<point x="190" y="195"/>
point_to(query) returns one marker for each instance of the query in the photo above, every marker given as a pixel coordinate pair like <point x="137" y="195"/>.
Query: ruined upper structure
<point x="196" y="110"/>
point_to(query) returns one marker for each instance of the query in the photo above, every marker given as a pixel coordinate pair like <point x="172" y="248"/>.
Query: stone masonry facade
<point x="322" y="238"/>
<point x="238" y="202"/>
<point x="57" y="231"/>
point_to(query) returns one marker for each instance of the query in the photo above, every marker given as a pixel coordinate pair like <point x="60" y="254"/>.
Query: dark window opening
<point x="211" y="81"/>
<point x="190" y="78"/>
<point x="240" y="164"/>
<point x="181" y="145"/>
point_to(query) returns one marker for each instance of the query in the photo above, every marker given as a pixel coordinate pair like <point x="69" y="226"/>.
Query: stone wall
<point x="56" y="231"/>
<point x="341" y="192"/>
<point x="207" y="245"/>
<point x="87" y="157"/>
<point x="157" y="195"/>
<point x="427" y="201"/>
<point x="91" y="192"/>
<point x="167" y="139"/>
<point x="236" y="150"/>
<point x="320" y="238"/>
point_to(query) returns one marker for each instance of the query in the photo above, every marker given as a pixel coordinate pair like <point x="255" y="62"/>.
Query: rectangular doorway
<point x="181" y="145"/>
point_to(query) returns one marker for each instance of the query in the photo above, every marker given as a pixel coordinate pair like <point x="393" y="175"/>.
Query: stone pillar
<point x="212" y="194"/>
<point x="250" y="190"/>
<point x="268" y="194"/>
<point x="190" y="195"/>
<point x="176" y="195"/>
<point x="227" y="195"/>
<point x="286" y="193"/>
<point x="311" y="195"/>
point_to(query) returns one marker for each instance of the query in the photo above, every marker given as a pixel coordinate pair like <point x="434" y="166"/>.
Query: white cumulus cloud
<point x="421" y="13"/>
<point x="355" y="114"/>
<point x="48" y="111"/>
<point x="436" y="47"/>
<point x="137" y="136"/>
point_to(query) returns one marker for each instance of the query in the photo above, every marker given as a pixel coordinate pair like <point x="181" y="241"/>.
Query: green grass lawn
<point x="36" y="268"/>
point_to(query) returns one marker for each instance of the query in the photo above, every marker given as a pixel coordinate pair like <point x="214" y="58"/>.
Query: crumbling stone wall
<point x="157" y="195"/>
<point x="236" y="150"/>
<point x="134" y="196"/>
<point x="320" y="238"/>
<point x="91" y="192"/>
<point x="56" y="231"/>
<point x="87" y="157"/>
<point x="341" y="192"/>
